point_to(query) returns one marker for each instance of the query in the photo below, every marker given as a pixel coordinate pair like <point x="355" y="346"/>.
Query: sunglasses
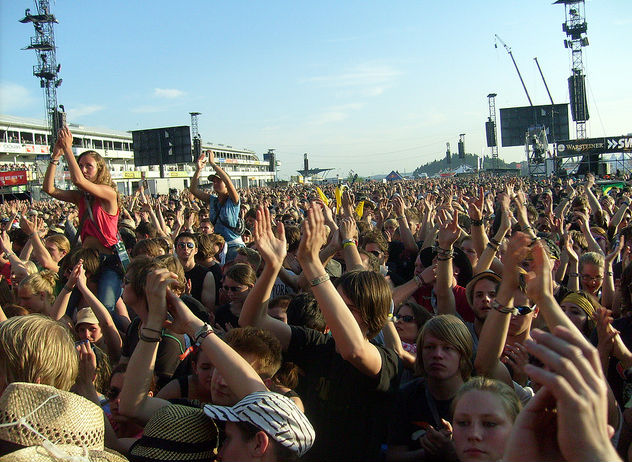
<point x="113" y="393"/>
<point x="184" y="245"/>
<point x="233" y="289"/>
<point x="405" y="318"/>
<point x="524" y="309"/>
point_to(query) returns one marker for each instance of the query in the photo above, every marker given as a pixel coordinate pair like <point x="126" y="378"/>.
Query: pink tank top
<point x="107" y="224"/>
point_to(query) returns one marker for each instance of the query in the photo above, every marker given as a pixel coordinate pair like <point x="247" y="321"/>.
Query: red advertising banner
<point x="13" y="178"/>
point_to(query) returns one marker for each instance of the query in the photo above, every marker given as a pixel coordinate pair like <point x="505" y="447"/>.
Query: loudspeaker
<point x="577" y="94"/>
<point x="461" y="150"/>
<point x="490" y="131"/>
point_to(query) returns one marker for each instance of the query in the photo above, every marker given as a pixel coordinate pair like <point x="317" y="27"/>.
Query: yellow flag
<point x="360" y="209"/>
<point x="338" y="194"/>
<point x="322" y="196"/>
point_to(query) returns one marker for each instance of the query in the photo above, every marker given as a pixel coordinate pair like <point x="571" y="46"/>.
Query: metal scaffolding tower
<point x="195" y="135"/>
<point x="46" y="69"/>
<point x="575" y="28"/>
<point x="491" y="129"/>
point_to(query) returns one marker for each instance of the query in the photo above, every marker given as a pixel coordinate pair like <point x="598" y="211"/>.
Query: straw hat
<point x="49" y="422"/>
<point x="177" y="433"/>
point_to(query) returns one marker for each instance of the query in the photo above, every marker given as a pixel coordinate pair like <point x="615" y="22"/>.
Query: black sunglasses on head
<point x="524" y="309"/>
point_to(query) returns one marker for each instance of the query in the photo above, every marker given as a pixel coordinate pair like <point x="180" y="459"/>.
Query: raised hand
<point x="314" y="236"/>
<point x="449" y="229"/>
<point x="567" y="418"/>
<point x="158" y="283"/>
<point x="539" y="279"/>
<point x="272" y="249"/>
<point x="201" y="161"/>
<point x="347" y="228"/>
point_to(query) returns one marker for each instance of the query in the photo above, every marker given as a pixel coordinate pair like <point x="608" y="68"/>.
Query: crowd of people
<point x="477" y="318"/>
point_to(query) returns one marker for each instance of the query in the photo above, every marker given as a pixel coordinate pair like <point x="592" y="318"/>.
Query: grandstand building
<point x="24" y="147"/>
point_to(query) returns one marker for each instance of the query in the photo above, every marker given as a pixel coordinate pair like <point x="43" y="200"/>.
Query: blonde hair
<point x="507" y="396"/>
<point x="61" y="241"/>
<point x="43" y="281"/>
<point x="450" y="329"/>
<point x="592" y="258"/>
<point x="37" y="349"/>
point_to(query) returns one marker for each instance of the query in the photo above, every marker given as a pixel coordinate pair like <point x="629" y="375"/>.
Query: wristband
<point x="347" y="241"/>
<point x="573" y="275"/>
<point x="399" y="218"/>
<point x="319" y="280"/>
<point x="477" y="222"/>
<point x="68" y="289"/>
<point x="446" y="258"/>
<point x="347" y="244"/>
<point x="609" y="273"/>
<point x="144" y="338"/>
<point x="502" y="308"/>
<point x="492" y="246"/>
<point x="204" y="331"/>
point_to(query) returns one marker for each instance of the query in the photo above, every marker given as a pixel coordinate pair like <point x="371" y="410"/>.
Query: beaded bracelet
<point x="319" y="280"/>
<point x="144" y="338"/>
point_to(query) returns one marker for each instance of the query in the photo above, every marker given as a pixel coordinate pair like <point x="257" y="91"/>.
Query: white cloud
<point x="81" y="111"/>
<point x="168" y="93"/>
<point x="14" y="97"/>
<point x="366" y="75"/>
<point x="329" y="117"/>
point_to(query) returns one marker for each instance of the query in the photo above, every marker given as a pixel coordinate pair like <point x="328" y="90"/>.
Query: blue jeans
<point x="110" y="285"/>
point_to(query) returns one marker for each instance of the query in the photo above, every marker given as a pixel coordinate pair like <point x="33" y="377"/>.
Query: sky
<point x="362" y="86"/>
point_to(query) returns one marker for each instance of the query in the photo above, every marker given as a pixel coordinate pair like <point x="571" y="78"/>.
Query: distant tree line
<point x="471" y="160"/>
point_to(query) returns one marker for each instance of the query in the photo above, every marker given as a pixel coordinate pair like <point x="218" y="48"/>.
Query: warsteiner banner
<point x="606" y="145"/>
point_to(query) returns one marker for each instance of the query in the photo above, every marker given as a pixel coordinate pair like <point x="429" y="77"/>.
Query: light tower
<point x="195" y="134"/>
<point x="46" y="69"/>
<point x="575" y="28"/>
<point x="490" y="129"/>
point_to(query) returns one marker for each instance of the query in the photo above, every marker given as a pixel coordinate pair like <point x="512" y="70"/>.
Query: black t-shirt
<point x="167" y="359"/>
<point x="224" y="316"/>
<point x="197" y="275"/>
<point x="347" y="408"/>
<point x="412" y="413"/>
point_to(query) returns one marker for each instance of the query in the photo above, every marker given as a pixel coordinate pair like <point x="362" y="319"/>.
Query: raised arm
<point x="134" y="400"/>
<point x="48" y="185"/>
<point x="404" y="229"/>
<point x="491" y="249"/>
<point x="348" y="232"/>
<point x="272" y="250"/>
<point x="194" y="187"/>
<point x="232" y="192"/>
<point x="477" y="230"/>
<point x="110" y="333"/>
<point x="104" y="192"/>
<point x="449" y="232"/>
<point x="40" y="252"/>
<point x="351" y="343"/>
<point x="494" y="333"/>
<point x="238" y="374"/>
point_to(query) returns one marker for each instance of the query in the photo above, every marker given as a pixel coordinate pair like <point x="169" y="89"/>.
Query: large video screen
<point x="515" y="121"/>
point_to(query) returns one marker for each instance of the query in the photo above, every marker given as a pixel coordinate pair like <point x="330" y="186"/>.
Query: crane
<point x="515" y="65"/>
<point x="543" y="80"/>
